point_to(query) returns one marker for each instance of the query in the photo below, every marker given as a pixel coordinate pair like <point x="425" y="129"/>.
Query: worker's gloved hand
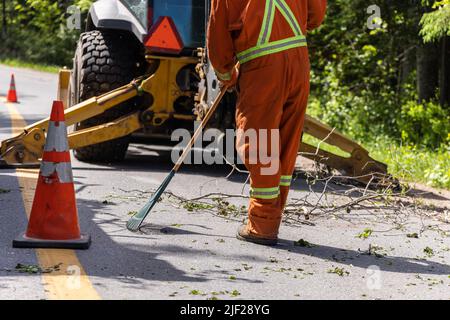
<point x="229" y="79"/>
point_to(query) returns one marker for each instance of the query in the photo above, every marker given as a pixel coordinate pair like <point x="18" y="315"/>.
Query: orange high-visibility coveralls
<point x="268" y="38"/>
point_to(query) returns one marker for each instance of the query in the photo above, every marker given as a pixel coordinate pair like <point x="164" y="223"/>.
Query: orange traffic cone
<point x="12" y="94"/>
<point x="54" y="219"/>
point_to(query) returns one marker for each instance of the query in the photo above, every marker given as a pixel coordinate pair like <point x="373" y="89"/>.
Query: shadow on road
<point x="364" y="260"/>
<point x="151" y="160"/>
<point x="139" y="257"/>
<point x="128" y="263"/>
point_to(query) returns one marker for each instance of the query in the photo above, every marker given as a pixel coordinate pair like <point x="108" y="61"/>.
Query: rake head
<point x="136" y="220"/>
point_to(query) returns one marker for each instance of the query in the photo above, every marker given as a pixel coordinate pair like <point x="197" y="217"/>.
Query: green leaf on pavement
<point x="303" y="243"/>
<point x="365" y="234"/>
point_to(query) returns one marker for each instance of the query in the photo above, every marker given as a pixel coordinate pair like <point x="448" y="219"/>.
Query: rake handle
<point x="205" y="120"/>
<point x="199" y="130"/>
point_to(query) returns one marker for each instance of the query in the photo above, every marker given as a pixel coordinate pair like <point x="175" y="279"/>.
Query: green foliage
<point x="37" y="32"/>
<point x="424" y="124"/>
<point x="413" y="163"/>
<point x="84" y="5"/>
<point x="364" y="84"/>
<point x="436" y="24"/>
<point x="29" y="65"/>
<point x="355" y="79"/>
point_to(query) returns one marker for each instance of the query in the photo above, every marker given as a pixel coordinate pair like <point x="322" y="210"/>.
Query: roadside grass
<point x="413" y="163"/>
<point x="405" y="162"/>
<point x="29" y="65"/>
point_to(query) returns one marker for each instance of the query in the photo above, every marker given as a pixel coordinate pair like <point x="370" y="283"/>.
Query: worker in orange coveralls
<point x="268" y="38"/>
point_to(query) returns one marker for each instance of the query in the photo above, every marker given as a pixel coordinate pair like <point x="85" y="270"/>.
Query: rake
<point x="136" y="220"/>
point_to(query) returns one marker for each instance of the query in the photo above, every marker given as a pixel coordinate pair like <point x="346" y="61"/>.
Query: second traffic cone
<point x="54" y="218"/>
<point x="12" y="94"/>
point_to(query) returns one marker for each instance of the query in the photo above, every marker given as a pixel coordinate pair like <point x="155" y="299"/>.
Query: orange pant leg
<point x="260" y="106"/>
<point x="291" y="128"/>
<point x="273" y="95"/>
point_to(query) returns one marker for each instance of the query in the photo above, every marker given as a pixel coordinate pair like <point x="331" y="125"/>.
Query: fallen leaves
<point x="428" y="251"/>
<point x="196" y="206"/>
<point x="35" y="269"/>
<point x="339" y="271"/>
<point x="303" y="243"/>
<point x="365" y="234"/>
<point x="413" y="235"/>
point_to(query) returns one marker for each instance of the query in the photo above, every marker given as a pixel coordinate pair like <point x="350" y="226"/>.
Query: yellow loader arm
<point x="359" y="164"/>
<point x="26" y="148"/>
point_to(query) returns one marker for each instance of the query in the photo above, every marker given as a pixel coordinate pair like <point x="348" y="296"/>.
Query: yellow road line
<point x="70" y="282"/>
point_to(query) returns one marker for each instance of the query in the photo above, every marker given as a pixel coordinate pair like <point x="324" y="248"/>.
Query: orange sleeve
<point x="316" y="13"/>
<point x="219" y="41"/>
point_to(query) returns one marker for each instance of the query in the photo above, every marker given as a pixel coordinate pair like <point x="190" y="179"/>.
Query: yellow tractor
<point x="141" y="69"/>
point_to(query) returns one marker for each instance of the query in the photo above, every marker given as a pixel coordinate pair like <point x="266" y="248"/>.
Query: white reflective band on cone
<point x="63" y="169"/>
<point x="56" y="137"/>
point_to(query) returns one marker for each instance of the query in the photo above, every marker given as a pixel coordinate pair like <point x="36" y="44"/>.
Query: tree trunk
<point x="445" y="72"/>
<point x="4" y="21"/>
<point x="427" y="70"/>
<point x="407" y="65"/>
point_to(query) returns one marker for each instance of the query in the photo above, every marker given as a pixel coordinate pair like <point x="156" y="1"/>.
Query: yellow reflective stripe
<point x="265" y="189"/>
<point x="265" y="197"/>
<point x="266" y="29"/>
<point x="264" y="46"/>
<point x="223" y="76"/>
<point x="272" y="18"/>
<point x="270" y="48"/>
<point x="285" y="181"/>
<point x="289" y="16"/>
<point x="265" y="193"/>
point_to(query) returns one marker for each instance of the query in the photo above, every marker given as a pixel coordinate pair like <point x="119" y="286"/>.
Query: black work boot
<point x="244" y="235"/>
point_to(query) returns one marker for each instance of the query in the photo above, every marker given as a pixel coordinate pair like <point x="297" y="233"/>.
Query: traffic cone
<point x="54" y="219"/>
<point x="12" y="94"/>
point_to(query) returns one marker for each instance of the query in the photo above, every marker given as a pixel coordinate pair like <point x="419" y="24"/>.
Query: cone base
<point x="78" y="244"/>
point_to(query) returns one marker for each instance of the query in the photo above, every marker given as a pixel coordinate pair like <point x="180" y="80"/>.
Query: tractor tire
<point x="104" y="61"/>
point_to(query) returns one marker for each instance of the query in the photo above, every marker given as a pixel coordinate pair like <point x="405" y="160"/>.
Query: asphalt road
<point x="191" y="255"/>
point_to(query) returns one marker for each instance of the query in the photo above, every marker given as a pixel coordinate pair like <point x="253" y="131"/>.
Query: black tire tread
<point x="107" y="61"/>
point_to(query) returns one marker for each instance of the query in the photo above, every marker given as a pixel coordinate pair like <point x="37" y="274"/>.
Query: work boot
<point x="244" y="235"/>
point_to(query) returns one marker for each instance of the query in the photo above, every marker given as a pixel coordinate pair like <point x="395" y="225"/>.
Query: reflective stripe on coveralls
<point x="265" y="193"/>
<point x="285" y="181"/>
<point x="264" y="46"/>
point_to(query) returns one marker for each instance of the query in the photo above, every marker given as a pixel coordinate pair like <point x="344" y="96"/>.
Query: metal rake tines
<point x="133" y="224"/>
<point x="135" y="221"/>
